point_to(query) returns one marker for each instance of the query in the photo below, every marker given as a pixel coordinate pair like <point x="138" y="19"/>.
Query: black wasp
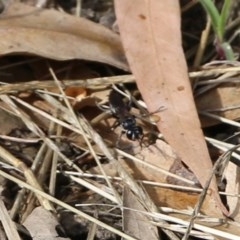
<point x="121" y="111"/>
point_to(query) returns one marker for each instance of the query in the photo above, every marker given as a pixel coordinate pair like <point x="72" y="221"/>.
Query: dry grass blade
<point x="53" y="146"/>
<point x="158" y="184"/>
<point x="92" y="230"/>
<point x="31" y="179"/>
<point x="8" y="225"/>
<point x="128" y="179"/>
<point x="135" y="222"/>
<point x="35" y="129"/>
<point x="65" y="206"/>
<point x="217" y="70"/>
<point x="155" y="168"/>
<point x="212" y="86"/>
<point x="93" y="83"/>
<point x="224" y="158"/>
<point x="201" y="199"/>
<point x="203" y="228"/>
<point x="220" y="119"/>
<point x="203" y="44"/>
<point x="77" y="123"/>
<point x="50" y="117"/>
<point x="52" y="182"/>
<point x="122" y="172"/>
<point x="96" y="189"/>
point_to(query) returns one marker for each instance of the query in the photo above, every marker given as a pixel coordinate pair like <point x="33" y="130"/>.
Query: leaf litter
<point x="58" y="146"/>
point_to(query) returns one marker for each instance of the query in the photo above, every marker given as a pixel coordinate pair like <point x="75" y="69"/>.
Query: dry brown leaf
<point x="135" y="222"/>
<point x="7" y="223"/>
<point x="165" y="196"/>
<point x="8" y="122"/>
<point x="232" y="175"/>
<point x="222" y="100"/>
<point x="41" y="224"/>
<point x="57" y="35"/>
<point x="151" y="36"/>
<point x="157" y="164"/>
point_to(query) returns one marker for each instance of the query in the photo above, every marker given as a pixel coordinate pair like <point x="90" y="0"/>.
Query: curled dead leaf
<point x="57" y="35"/>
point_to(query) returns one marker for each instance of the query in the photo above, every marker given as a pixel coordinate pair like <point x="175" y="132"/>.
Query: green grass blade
<point x="213" y="13"/>
<point x="223" y="17"/>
